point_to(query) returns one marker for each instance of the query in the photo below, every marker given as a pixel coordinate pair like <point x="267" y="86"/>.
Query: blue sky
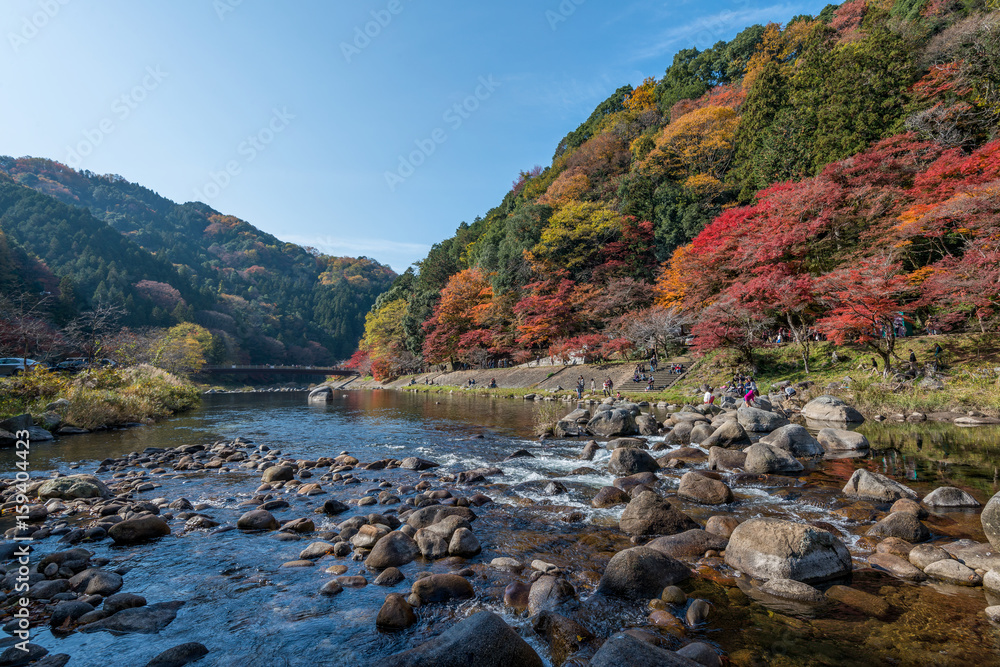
<point x="293" y="118"/>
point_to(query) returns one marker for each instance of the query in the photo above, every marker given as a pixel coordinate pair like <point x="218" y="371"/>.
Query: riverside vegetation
<point x="93" y="398"/>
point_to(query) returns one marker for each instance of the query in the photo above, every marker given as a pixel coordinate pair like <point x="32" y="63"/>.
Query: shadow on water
<point x="250" y="611"/>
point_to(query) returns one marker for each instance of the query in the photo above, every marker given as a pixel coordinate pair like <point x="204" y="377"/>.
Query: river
<point x="248" y="610"/>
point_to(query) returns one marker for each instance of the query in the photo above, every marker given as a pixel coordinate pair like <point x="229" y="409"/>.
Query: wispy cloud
<point x="705" y="31"/>
<point x="395" y="253"/>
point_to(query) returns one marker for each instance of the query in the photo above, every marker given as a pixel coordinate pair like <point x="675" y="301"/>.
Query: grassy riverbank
<point x="99" y="397"/>
<point x="969" y="376"/>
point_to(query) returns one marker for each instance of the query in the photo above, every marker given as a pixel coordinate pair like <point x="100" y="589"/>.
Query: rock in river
<point x="179" y="655"/>
<point x="483" y="640"/>
<point x="393" y="550"/>
<point x="779" y="549"/>
<point x="612" y="423"/>
<point x="875" y="486"/>
<point x="904" y="525"/>
<point x="795" y="439"/>
<point x="442" y="588"/>
<point x="766" y="459"/>
<point x="144" y="620"/>
<point x="624" y="649"/>
<point x="395" y="614"/>
<point x="139" y="529"/>
<point x="760" y="421"/>
<point x="831" y="409"/>
<point x="641" y="572"/>
<point x="71" y="487"/>
<point x="949" y="496"/>
<point x="257" y="520"/>
<point x="649" y="514"/>
<point x="840" y="440"/>
<point x="690" y="544"/>
<point x="701" y="489"/>
<point x="628" y="461"/>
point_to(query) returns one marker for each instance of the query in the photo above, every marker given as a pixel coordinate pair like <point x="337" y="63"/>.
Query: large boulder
<point x="755" y="420"/>
<point x="730" y="434"/>
<point x="612" y="423"/>
<point x="726" y="459"/>
<point x="649" y="514"/>
<point x="395" y="614"/>
<point x="641" y="573"/>
<point x="690" y="544"/>
<point x="701" y="489"/>
<point x="320" y="395"/>
<point x="179" y="655"/>
<point x="428" y="516"/>
<point x="831" y="409"/>
<point x="629" y="443"/>
<point x="549" y="592"/>
<point x="139" y="529"/>
<point x="840" y="440"/>
<point x="393" y="550"/>
<point x="949" y="496"/>
<point x="629" y="461"/>
<point x="874" y="486"/>
<point x="142" y="620"/>
<point x="990" y="519"/>
<point x="795" y="439"/>
<point x="625" y="650"/>
<point x="609" y="496"/>
<point x="483" y="640"/>
<point x="71" y="487"/>
<point x="779" y="549"/>
<point x="257" y="520"/>
<point x="904" y="525"/>
<point x="278" y="474"/>
<point x="442" y="588"/>
<point x="766" y="459"/>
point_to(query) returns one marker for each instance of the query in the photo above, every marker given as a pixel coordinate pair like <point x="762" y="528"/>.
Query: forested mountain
<point x="110" y="241"/>
<point x="837" y="174"/>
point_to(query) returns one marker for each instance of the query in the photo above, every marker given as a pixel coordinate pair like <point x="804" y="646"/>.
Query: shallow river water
<point x="248" y="611"/>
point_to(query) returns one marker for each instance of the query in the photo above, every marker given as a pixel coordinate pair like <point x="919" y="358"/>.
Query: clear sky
<point x="290" y="116"/>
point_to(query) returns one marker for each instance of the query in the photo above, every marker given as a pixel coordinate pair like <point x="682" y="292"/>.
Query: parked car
<point x="17" y="365"/>
<point x="76" y="364"/>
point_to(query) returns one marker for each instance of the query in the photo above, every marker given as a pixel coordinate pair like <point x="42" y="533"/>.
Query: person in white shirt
<point x="709" y="396"/>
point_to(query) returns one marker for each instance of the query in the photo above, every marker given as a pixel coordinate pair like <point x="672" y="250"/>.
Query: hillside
<point x="836" y="177"/>
<point x="107" y="240"/>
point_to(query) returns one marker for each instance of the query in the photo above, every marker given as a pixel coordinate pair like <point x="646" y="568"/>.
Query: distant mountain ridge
<point x="112" y="241"/>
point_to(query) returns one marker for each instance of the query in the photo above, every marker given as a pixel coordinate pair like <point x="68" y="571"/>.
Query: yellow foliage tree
<point x="574" y="236"/>
<point x="642" y="98"/>
<point x="700" y="142"/>
<point x="181" y="349"/>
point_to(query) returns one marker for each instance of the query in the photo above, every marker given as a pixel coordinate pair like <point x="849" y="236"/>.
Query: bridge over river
<point x="276" y="370"/>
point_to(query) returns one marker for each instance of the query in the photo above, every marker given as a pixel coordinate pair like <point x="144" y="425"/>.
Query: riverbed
<point x="248" y="610"/>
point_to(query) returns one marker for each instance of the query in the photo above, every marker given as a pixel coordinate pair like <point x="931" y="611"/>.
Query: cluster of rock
<point x="73" y="591"/>
<point x="793" y="561"/>
<point x="262" y="390"/>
